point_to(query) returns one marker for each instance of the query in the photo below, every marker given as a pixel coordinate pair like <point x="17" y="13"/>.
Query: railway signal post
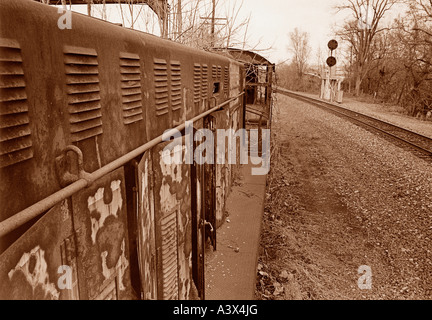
<point x="330" y="82"/>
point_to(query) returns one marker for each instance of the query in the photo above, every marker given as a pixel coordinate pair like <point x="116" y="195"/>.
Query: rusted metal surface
<point x="172" y="194"/>
<point x="91" y="103"/>
<point x="29" y="269"/>
<point x="76" y="73"/>
<point x="130" y="68"/>
<point x="146" y="229"/>
<point x="198" y="226"/>
<point x="210" y="188"/>
<point x="16" y="143"/>
<point x="35" y="210"/>
<point x="99" y="217"/>
<point x="221" y="121"/>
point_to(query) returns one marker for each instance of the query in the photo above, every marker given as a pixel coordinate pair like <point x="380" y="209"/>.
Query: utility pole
<point x="179" y="21"/>
<point x="350" y="69"/>
<point x="89" y="7"/>
<point x="213" y="24"/>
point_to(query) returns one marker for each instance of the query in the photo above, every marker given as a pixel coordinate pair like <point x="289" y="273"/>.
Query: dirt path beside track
<point x="338" y="199"/>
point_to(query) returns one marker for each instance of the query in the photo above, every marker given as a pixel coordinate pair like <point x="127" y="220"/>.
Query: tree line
<point x="390" y="60"/>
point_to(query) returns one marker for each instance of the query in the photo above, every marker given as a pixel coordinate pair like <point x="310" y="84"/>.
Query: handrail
<point x="45" y="204"/>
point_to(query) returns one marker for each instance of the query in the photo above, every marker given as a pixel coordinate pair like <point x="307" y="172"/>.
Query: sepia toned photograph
<point x="225" y="154"/>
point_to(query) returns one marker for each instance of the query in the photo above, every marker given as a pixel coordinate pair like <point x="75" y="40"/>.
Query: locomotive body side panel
<point x="105" y="90"/>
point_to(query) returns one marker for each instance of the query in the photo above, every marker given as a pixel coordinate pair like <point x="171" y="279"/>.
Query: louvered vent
<point x="219" y="72"/>
<point x="15" y="134"/>
<point x="214" y="72"/>
<point x="161" y="86"/>
<point x="204" y="81"/>
<point x="176" y="98"/>
<point x="197" y="82"/>
<point x="169" y="256"/>
<point x="82" y="79"/>
<point x="131" y="88"/>
<point x="226" y="81"/>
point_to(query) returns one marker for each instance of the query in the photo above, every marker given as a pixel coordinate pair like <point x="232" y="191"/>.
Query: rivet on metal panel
<point x="64" y="167"/>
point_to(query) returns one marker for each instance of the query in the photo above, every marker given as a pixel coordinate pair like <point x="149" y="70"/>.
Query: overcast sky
<point x="271" y="21"/>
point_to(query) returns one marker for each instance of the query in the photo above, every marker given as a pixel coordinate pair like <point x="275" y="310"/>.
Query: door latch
<point x="209" y="224"/>
<point x="70" y="169"/>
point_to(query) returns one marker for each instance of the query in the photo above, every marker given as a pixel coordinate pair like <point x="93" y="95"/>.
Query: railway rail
<point x="418" y="144"/>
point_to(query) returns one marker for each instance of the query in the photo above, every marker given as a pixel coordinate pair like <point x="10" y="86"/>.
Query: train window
<point x="216" y="87"/>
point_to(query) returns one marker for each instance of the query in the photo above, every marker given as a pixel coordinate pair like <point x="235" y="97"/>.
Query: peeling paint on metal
<point x="172" y="177"/>
<point x="64" y="209"/>
<point x="220" y="192"/>
<point x="147" y="249"/>
<point x="120" y="267"/>
<point x="173" y="191"/>
<point x="35" y="269"/>
<point x="96" y="203"/>
<point x="184" y="276"/>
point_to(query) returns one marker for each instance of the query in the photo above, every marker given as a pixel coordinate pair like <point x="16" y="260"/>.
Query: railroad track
<point x="419" y="144"/>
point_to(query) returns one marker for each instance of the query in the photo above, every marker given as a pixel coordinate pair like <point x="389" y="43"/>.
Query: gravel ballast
<point x="339" y="198"/>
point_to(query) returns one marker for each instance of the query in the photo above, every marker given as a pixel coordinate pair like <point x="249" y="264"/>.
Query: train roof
<point x="245" y="56"/>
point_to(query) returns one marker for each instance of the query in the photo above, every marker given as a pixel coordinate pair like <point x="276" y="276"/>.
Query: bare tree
<point x="320" y="61"/>
<point x="422" y="14"/>
<point x="417" y="40"/>
<point x="361" y="31"/>
<point x="399" y="66"/>
<point x="203" y="24"/>
<point x="299" y="46"/>
<point x="210" y="24"/>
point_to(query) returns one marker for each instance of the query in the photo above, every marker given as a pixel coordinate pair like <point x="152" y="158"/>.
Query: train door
<point x="102" y="239"/>
<point x="198" y="226"/>
<point x="210" y="189"/>
<point x="172" y="214"/>
<point x="146" y="229"/>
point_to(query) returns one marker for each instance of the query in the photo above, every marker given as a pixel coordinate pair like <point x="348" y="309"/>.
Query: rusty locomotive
<point x="88" y="208"/>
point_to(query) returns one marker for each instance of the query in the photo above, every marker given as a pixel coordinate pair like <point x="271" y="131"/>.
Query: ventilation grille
<point x="82" y="79"/>
<point x="161" y="86"/>
<point x="197" y="82"/>
<point x="131" y="88"/>
<point x="204" y="81"/>
<point x="216" y="72"/>
<point x="176" y="98"/>
<point x="226" y="81"/>
<point x="15" y="134"/>
<point x="169" y="256"/>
